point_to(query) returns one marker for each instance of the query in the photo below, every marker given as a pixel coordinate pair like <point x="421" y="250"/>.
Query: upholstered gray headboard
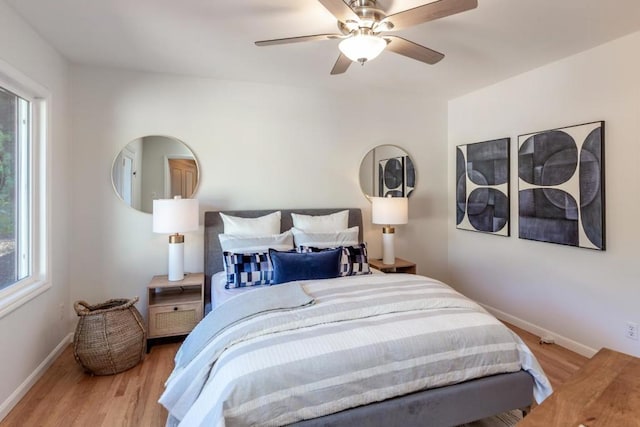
<point x="213" y="226"/>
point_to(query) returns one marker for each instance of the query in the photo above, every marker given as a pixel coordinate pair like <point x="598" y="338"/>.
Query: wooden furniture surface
<point x="604" y="392"/>
<point x="399" y="266"/>
<point x="175" y="308"/>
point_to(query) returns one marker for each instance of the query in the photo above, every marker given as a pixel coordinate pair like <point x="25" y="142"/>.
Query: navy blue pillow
<point x="354" y="260"/>
<point x="290" y="266"/>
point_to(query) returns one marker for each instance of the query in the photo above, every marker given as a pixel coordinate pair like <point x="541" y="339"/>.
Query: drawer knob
<point x="175" y="308"/>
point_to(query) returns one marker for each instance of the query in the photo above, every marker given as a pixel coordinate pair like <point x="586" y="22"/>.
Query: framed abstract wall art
<point x="561" y="186"/>
<point x="397" y="177"/>
<point x="482" y="187"/>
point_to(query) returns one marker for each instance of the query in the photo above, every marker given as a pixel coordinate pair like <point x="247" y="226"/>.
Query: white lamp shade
<point x="175" y="215"/>
<point x="362" y="47"/>
<point x="389" y="210"/>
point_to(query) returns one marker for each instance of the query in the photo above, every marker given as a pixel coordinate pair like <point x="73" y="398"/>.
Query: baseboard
<point x="541" y="332"/>
<point x="19" y="393"/>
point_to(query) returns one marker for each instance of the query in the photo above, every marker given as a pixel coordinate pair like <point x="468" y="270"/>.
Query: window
<point x="23" y="202"/>
<point x="15" y="188"/>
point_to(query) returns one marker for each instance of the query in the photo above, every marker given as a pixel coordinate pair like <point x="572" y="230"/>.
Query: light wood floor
<point x="65" y="396"/>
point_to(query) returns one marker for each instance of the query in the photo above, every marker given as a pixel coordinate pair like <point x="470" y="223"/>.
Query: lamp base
<point x="388" y="251"/>
<point x="176" y="262"/>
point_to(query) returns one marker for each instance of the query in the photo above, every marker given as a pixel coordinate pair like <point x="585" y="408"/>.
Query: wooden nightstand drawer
<point x="175" y="307"/>
<point x="178" y="319"/>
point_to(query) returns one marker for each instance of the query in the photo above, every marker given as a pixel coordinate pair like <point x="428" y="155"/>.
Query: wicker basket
<point x="110" y="337"/>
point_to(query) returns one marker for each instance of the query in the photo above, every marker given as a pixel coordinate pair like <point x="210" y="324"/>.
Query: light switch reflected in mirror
<point x="154" y="167"/>
<point x="387" y="171"/>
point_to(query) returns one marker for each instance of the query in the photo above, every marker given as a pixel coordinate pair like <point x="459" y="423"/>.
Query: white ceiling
<point x="214" y="38"/>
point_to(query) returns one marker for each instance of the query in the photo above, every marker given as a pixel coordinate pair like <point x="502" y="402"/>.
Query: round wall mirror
<point x="387" y="171"/>
<point x="154" y="167"/>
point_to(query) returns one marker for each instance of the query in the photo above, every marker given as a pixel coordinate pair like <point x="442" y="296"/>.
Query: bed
<point x="198" y="393"/>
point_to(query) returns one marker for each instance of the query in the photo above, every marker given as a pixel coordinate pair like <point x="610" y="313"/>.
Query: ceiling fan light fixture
<point x="362" y="47"/>
<point x="362" y="24"/>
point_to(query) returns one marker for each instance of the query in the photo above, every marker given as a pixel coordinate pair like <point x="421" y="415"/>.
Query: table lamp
<point x="175" y="216"/>
<point x="389" y="211"/>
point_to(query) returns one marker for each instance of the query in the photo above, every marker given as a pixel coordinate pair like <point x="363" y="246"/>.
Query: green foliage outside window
<point x="7" y="186"/>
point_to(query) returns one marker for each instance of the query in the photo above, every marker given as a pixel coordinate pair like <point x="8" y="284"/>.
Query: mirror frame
<point x="374" y="175"/>
<point x="166" y="179"/>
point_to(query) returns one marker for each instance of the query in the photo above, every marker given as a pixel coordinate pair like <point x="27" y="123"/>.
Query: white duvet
<point x="365" y="339"/>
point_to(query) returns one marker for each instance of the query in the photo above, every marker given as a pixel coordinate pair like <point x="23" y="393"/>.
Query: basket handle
<point x="83" y="308"/>
<point x="129" y="303"/>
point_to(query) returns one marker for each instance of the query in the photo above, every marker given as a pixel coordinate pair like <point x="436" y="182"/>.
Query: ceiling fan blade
<point x="340" y="10"/>
<point x="341" y="65"/>
<point x="299" y="39"/>
<point x="412" y="50"/>
<point x="428" y="12"/>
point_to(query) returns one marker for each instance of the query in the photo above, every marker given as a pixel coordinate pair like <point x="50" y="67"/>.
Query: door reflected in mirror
<point x="154" y="167"/>
<point x="387" y="171"/>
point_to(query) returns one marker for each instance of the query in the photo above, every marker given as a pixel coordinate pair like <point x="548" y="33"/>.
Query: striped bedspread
<point x="365" y="339"/>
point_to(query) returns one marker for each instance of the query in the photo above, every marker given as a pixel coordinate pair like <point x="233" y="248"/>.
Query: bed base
<point x="439" y="407"/>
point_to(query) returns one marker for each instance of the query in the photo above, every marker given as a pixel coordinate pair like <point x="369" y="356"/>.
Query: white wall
<point x="583" y="296"/>
<point x="29" y="334"/>
<point x="258" y="146"/>
<point x="262" y="146"/>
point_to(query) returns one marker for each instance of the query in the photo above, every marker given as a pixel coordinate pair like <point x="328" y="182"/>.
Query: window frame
<point x="39" y="280"/>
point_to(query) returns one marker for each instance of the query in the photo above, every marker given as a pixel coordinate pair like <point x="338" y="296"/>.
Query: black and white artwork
<point x="409" y="176"/>
<point x="561" y="186"/>
<point x="397" y="177"/>
<point x="482" y="187"/>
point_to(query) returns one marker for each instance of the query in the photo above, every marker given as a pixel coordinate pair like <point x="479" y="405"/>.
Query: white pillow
<point x="251" y="244"/>
<point x="266" y="225"/>
<point x="348" y="237"/>
<point x="338" y="221"/>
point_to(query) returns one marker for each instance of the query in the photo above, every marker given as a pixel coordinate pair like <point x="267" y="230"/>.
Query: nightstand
<point x="399" y="266"/>
<point x="175" y="308"/>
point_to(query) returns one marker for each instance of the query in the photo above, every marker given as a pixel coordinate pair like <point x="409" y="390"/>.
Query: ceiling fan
<point x="362" y="24"/>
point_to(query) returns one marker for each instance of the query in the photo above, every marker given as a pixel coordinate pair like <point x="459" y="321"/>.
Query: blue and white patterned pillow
<point x="358" y="259"/>
<point x="354" y="260"/>
<point x="245" y="270"/>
